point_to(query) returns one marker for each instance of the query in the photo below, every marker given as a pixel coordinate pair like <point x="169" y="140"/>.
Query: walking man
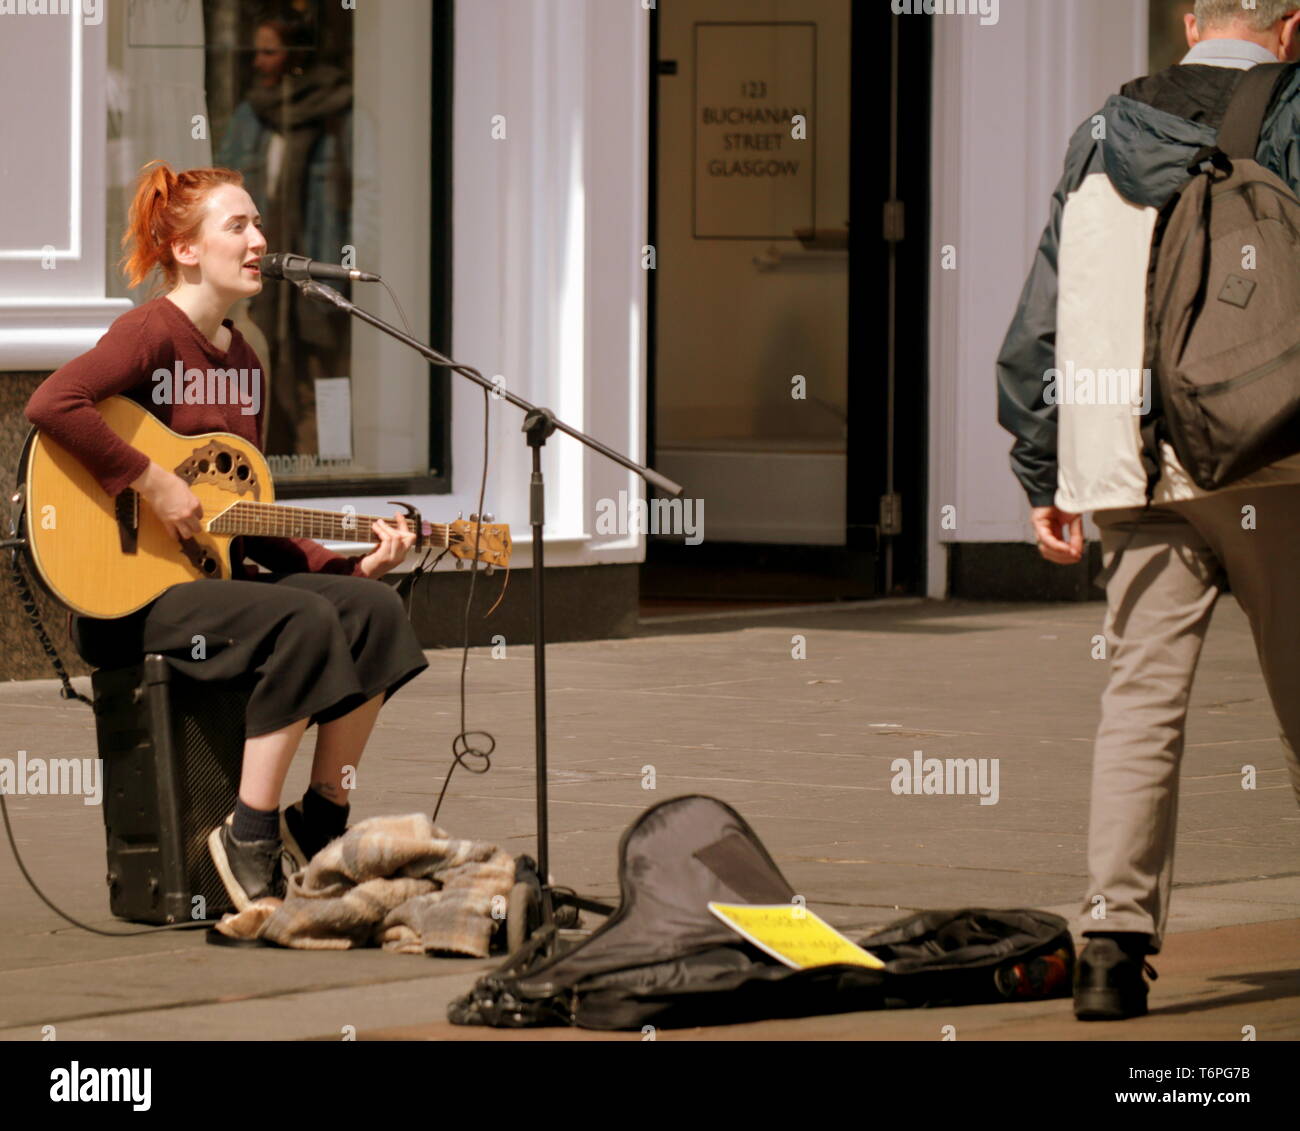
<point x="1083" y="307"/>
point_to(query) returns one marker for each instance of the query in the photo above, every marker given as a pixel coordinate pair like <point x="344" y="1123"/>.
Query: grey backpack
<point x="1224" y="330"/>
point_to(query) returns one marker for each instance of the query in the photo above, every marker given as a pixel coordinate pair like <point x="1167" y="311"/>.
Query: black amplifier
<point x="172" y="748"/>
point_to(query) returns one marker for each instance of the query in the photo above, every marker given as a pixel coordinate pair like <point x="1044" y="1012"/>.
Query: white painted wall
<point x="549" y="225"/>
<point x="52" y="137"/>
<point x="1007" y="97"/>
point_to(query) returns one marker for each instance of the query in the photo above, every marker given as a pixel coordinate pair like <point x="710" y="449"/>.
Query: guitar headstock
<point x="493" y="541"/>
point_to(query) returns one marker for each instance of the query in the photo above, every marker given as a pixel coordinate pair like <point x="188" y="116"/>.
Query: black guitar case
<point x="664" y="959"/>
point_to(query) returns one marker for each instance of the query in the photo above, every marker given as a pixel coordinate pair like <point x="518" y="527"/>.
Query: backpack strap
<point x="1239" y="133"/>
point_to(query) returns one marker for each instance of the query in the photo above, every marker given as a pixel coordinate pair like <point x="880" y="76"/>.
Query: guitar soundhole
<point x="222" y="466"/>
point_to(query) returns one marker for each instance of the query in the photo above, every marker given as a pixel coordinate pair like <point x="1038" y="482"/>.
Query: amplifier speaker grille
<point x="172" y="750"/>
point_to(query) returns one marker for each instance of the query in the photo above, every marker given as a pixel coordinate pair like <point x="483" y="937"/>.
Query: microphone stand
<point x="539" y="424"/>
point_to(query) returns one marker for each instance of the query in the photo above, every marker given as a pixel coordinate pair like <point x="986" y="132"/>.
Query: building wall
<point x="1007" y="97"/>
<point x="549" y="226"/>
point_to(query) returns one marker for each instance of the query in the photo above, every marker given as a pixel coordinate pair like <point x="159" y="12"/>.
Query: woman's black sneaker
<point x="301" y="842"/>
<point x="1108" y="981"/>
<point x="250" y="870"/>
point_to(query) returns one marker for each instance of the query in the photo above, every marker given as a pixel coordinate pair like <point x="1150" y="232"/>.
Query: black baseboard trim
<point x="731" y="571"/>
<point x="1016" y="571"/>
<point x="582" y="603"/>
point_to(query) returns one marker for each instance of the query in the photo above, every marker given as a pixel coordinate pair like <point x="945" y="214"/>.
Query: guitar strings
<point x="278" y="517"/>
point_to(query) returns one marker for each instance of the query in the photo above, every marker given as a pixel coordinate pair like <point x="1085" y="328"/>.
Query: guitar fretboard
<point x="275" y="521"/>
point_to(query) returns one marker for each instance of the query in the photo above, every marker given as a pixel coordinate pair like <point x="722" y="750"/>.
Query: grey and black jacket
<point x="1153" y="128"/>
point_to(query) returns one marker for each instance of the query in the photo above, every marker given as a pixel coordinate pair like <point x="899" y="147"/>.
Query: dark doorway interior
<point x="882" y="551"/>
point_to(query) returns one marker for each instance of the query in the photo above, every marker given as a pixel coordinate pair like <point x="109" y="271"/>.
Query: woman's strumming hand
<point x="170" y="498"/>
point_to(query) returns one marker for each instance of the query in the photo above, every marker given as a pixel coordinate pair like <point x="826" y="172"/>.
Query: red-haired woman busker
<point x="317" y="639"/>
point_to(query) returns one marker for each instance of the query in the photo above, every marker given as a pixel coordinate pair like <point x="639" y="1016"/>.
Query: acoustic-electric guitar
<point x="106" y="556"/>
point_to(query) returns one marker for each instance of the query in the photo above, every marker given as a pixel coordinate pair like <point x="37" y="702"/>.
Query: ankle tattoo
<point x="329" y="791"/>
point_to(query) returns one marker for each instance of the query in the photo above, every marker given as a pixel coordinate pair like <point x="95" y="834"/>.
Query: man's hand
<point x="394" y="544"/>
<point x="1052" y="527"/>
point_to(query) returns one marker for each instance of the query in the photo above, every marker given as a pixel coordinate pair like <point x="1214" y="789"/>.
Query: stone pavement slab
<point x="803" y="748"/>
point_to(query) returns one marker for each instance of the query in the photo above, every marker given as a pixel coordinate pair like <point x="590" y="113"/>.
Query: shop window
<point x="289" y="94"/>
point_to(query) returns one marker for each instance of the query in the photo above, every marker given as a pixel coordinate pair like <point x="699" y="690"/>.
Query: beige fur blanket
<point x="396" y="882"/>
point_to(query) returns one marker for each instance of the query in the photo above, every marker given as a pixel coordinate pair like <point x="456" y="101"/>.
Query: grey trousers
<point x="1159" y="601"/>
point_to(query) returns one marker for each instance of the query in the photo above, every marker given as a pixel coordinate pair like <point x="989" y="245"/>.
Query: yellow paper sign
<point x="793" y="934"/>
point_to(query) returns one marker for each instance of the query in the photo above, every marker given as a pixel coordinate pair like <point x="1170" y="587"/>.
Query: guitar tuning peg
<point x="460" y="563"/>
<point x="491" y="569"/>
<point x="473" y="518"/>
<point x="460" y="514"/>
<point x="489" y="518"/>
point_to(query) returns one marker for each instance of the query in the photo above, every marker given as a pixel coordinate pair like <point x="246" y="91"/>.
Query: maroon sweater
<point x="155" y="335"/>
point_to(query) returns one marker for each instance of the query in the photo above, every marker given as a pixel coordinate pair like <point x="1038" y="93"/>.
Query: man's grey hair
<point x="1260" y="16"/>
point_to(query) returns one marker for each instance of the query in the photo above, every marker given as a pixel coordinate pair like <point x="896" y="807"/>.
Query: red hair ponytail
<point x="167" y="206"/>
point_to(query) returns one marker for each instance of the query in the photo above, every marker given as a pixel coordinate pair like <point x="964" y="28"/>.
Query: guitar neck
<point x="274" y="521"/>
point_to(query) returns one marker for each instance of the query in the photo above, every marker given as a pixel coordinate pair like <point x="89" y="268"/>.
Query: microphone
<point x="297" y="268"/>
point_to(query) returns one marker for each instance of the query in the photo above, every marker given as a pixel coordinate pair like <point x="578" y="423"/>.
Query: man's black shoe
<point x="1108" y="982"/>
<point x="249" y="870"/>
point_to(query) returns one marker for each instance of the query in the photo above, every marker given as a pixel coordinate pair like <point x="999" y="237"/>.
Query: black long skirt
<point x="306" y="645"/>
